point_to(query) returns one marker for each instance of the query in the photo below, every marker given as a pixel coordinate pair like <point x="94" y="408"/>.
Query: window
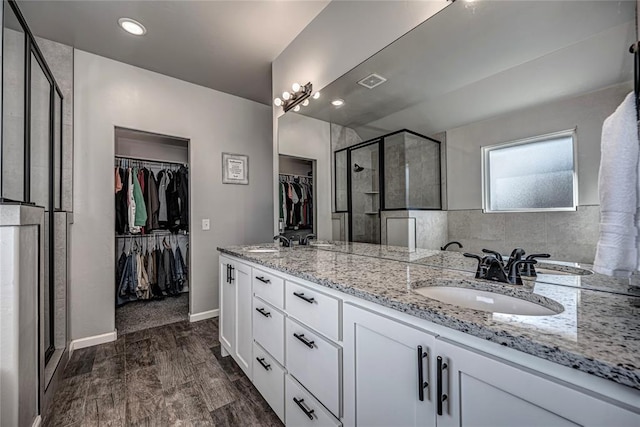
<point x="533" y="174"/>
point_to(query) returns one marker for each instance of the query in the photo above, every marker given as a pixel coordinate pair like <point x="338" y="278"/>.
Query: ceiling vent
<point x="372" y="81"/>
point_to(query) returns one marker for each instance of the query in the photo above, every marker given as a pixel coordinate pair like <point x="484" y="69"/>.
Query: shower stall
<point x="395" y="172"/>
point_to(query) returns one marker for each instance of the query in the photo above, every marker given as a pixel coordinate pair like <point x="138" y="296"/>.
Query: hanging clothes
<point x="140" y="214"/>
<point x="296" y="201"/>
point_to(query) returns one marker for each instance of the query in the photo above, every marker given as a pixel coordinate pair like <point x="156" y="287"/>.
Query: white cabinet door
<point x="227" y="306"/>
<point x="388" y="377"/>
<point x="485" y="391"/>
<point x="241" y="278"/>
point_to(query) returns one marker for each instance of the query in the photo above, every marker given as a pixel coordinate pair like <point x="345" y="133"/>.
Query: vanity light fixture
<point x="132" y="26"/>
<point x="337" y="102"/>
<point x="298" y="97"/>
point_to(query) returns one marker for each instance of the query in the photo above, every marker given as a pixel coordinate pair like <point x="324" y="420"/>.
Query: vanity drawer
<point x="268" y="377"/>
<point x="268" y="328"/>
<point x="315" y="362"/>
<point x="315" y="309"/>
<point x="299" y="403"/>
<point x="268" y="287"/>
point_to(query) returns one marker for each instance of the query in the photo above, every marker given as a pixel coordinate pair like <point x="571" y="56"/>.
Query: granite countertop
<point x="597" y="332"/>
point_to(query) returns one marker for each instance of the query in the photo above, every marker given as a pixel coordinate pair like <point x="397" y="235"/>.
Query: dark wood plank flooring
<point x="165" y="376"/>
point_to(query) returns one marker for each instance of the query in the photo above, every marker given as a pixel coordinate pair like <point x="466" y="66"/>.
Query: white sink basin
<point x="262" y="250"/>
<point x="491" y="302"/>
<point x="322" y="245"/>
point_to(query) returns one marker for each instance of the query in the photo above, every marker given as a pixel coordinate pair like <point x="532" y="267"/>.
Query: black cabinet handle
<point x="263" y="280"/>
<point x="422" y="384"/>
<point x="264" y="364"/>
<point x="233" y="277"/>
<point x="307" y="299"/>
<point x="263" y="312"/>
<point x="308" y="412"/>
<point x="304" y="340"/>
<point x="228" y="273"/>
<point x="441" y="397"/>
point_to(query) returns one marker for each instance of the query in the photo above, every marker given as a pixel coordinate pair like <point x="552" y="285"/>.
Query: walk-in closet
<point x="296" y="197"/>
<point x="151" y="177"/>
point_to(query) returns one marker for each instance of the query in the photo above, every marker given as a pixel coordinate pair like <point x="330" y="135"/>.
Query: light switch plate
<point x="206" y="224"/>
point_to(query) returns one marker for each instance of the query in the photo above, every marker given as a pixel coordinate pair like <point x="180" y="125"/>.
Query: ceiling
<point x="224" y="45"/>
<point x="473" y="61"/>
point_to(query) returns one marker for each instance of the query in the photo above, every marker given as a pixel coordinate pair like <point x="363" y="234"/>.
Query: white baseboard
<point x="94" y="340"/>
<point x="204" y="315"/>
<point x="37" y="421"/>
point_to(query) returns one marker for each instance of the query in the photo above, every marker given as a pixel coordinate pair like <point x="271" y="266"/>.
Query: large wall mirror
<point x="482" y="74"/>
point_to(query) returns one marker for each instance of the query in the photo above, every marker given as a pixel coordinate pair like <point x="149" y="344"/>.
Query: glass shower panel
<point x="395" y="173"/>
<point x="40" y="180"/>
<point x="411" y="172"/>
<point x="423" y="172"/>
<point x="365" y="194"/>
<point x="342" y="201"/>
<point x="13" y="51"/>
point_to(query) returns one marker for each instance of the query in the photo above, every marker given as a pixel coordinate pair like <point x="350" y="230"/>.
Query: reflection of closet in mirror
<point x="296" y="197"/>
<point x="152" y="251"/>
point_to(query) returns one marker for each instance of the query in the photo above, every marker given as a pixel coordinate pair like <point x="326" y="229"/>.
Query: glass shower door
<point x="364" y="170"/>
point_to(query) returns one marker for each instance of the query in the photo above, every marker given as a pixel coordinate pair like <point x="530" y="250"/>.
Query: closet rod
<point x="141" y="159"/>
<point x="297" y="176"/>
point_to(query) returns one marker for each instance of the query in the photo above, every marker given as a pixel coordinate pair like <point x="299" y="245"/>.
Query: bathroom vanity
<point x="343" y="333"/>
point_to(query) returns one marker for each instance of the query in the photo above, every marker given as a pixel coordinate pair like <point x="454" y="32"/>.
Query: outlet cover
<point x="206" y="224"/>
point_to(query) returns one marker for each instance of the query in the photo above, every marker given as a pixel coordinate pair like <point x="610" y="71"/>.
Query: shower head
<point x="357" y="168"/>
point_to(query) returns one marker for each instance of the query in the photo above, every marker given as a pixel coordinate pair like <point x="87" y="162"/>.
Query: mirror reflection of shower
<point x="365" y="194"/>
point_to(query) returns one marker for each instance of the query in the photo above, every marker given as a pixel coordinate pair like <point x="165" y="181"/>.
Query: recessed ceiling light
<point x="337" y="102"/>
<point x="132" y="26"/>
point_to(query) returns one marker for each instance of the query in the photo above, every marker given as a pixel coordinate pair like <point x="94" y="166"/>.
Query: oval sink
<point x="262" y="250"/>
<point x="322" y="245"/>
<point x="491" y="302"/>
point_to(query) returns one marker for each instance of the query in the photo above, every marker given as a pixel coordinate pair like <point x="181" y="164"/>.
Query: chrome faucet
<point x="285" y="242"/>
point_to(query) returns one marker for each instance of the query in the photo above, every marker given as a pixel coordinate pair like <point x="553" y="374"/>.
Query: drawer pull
<point x="304" y="341"/>
<point x="422" y="384"/>
<point x="307" y="299"/>
<point x="308" y="412"/>
<point x="263" y="312"/>
<point x="264" y="364"/>
<point x="262" y="279"/>
<point x="441" y="366"/>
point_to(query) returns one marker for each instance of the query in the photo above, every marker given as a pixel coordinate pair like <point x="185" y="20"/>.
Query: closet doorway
<point x="296" y="197"/>
<point x="152" y="193"/>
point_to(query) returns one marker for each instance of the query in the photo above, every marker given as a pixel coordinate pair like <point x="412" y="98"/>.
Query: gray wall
<point x="109" y="94"/>
<point x="568" y="236"/>
<point x="586" y="112"/>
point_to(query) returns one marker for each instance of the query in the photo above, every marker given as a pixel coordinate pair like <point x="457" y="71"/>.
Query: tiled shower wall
<point x="567" y="236"/>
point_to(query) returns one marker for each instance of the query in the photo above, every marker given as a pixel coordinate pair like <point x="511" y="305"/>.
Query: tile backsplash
<point x="567" y="236"/>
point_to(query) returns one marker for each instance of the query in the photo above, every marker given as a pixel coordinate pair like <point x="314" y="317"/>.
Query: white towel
<point x="619" y="185"/>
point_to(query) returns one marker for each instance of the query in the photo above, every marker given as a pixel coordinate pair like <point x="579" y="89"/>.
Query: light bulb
<point x="277" y="102"/>
<point x="296" y="108"/>
<point x="295" y="87"/>
<point x="316" y="95"/>
<point x="337" y="102"/>
<point x="305" y="102"/>
<point x="286" y="95"/>
<point x="132" y="26"/>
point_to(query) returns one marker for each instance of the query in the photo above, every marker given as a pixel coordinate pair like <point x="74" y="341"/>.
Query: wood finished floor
<point x="166" y="376"/>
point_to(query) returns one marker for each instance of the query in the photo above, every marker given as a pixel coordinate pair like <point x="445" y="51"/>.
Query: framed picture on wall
<point x="235" y="169"/>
